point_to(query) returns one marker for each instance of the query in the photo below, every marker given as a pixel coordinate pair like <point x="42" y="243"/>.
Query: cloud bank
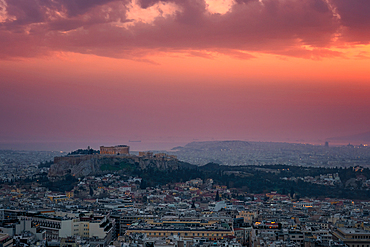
<point x="125" y="29"/>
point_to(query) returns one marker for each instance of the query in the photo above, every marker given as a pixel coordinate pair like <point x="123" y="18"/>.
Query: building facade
<point x="353" y="237"/>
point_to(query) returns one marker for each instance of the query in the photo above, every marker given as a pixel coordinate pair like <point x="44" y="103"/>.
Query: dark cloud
<point x="147" y="3"/>
<point x="271" y="26"/>
<point x="354" y="13"/>
<point x="320" y="6"/>
<point x="192" y="11"/>
<point x="58" y="15"/>
<point x="355" y="17"/>
<point x="244" y="1"/>
<point x="25" y="11"/>
<point x="79" y="7"/>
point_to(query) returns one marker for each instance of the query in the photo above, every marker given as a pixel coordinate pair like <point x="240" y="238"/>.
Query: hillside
<point x="84" y="165"/>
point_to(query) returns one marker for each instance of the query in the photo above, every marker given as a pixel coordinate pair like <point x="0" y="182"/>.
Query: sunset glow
<point x="93" y="72"/>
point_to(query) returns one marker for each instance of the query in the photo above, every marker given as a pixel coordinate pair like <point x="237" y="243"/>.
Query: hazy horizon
<point x="142" y="145"/>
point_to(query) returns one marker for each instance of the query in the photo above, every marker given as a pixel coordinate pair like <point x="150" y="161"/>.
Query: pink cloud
<point x="36" y="27"/>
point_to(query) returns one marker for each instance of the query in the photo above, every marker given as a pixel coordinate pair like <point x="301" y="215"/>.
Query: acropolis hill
<point x="117" y="158"/>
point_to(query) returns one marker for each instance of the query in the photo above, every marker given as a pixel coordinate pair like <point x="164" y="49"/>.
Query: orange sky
<point x="106" y="72"/>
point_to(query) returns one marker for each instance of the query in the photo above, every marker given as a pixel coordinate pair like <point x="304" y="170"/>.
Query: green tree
<point x="143" y="185"/>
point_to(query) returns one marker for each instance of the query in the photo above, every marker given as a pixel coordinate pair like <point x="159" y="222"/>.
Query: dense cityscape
<point x="114" y="207"/>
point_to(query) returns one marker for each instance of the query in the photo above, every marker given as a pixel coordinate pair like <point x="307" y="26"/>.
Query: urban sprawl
<point x="114" y="210"/>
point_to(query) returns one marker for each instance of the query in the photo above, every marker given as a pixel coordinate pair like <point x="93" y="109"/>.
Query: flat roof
<point x="353" y="230"/>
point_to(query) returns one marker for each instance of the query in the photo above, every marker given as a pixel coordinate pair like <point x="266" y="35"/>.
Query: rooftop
<point x="353" y="230"/>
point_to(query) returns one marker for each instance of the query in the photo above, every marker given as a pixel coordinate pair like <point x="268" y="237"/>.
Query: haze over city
<point x="78" y="73"/>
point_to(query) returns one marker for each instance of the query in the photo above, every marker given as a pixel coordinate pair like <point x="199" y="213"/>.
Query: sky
<point x="107" y="72"/>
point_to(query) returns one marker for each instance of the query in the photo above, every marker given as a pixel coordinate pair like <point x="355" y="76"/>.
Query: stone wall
<point x="116" y="150"/>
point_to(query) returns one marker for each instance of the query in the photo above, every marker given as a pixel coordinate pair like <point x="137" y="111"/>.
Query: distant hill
<point x="216" y="145"/>
<point x="358" y="138"/>
<point x="271" y="153"/>
<point x="210" y="167"/>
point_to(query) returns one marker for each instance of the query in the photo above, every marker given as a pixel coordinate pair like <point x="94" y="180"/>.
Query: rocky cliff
<point x="84" y="165"/>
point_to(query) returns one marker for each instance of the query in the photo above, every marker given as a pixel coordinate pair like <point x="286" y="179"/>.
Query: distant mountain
<point x="271" y="153"/>
<point x="363" y="138"/>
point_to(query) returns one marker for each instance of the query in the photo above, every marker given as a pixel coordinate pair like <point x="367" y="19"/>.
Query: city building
<point x="5" y="240"/>
<point x="353" y="237"/>
<point x="191" y="228"/>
